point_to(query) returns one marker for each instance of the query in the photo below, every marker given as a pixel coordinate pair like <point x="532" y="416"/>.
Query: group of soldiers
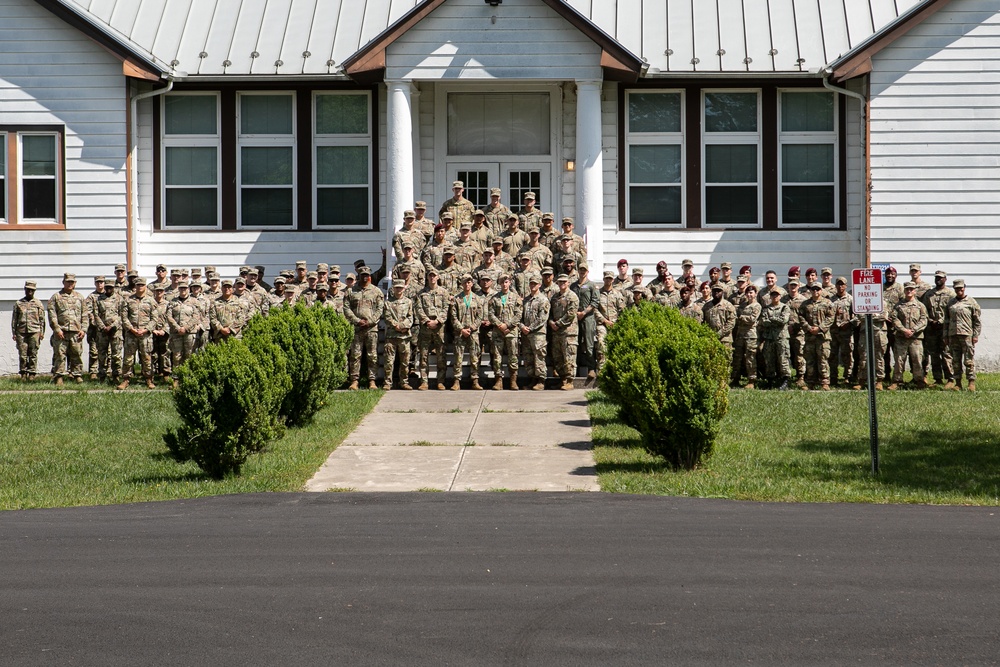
<point x="491" y="279"/>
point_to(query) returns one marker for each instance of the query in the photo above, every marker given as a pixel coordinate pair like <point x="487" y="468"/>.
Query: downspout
<point x="866" y="241"/>
<point x="133" y="169"/>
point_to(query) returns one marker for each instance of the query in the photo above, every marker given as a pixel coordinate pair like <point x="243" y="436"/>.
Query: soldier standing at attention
<point x="410" y="232"/>
<point x="505" y="315"/>
<point x="161" y="337"/>
<point x="535" y="316"/>
<point x="161" y="277"/>
<point x="514" y="238"/>
<point x="589" y="297"/>
<point x="137" y="317"/>
<point x="727" y="282"/>
<point x="481" y="234"/>
<point x="522" y="275"/>
<point x="842" y="332"/>
<point x="816" y="318"/>
<point x="198" y="295"/>
<point x="826" y="282"/>
<point x="69" y="319"/>
<point x="656" y="284"/>
<point x="745" y="339"/>
<point x="450" y="229"/>
<point x="547" y="234"/>
<point x="121" y="282"/>
<point x="432" y="253"/>
<point x="409" y="260"/>
<point x="460" y="208"/>
<point x="720" y="315"/>
<point x="668" y="294"/>
<point x="610" y="304"/>
<point x="27" y="326"/>
<point x="530" y="217"/>
<point x="915" y="278"/>
<point x="363" y="307"/>
<point x="183" y="320"/>
<point x="892" y="294"/>
<point x="91" y="303"/>
<point x="226" y="314"/>
<point x="577" y="242"/>
<point x="467" y="253"/>
<point x="909" y="319"/>
<point x="107" y="320"/>
<point x="623" y="279"/>
<point x="688" y="307"/>
<point x="398" y="315"/>
<point x="773" y="327"/>
<point x="563" y="316"/>
<point x="936" y="302"/>
<point x="796" y="334"/>
<point x="496" y="213"/>
<point x="879" y="339"/>
<point x="963" y="326"/>
<point x="468" y="310"/>
<point x="505" y="261"/>
<point x="422" y="222"/>
<point x="432" y="315"/>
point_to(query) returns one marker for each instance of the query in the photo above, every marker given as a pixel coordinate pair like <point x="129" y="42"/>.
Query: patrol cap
<point x="175" y="272"/>
<point x="465" y="225"/>
<point x="793" y="271"/>
<point x="502" y="277"/>
<point x="197" y="272"/>
<point x="609" y="274"/>
<point x="910" y="285"/>
<point x="529" y="195"/>
<point x="727" y="265"/>
<point x="253" y="272"/>
<point x="717" y="288"/>
<point x="747" y="269"/>
<point x="140" y="281"/>
<point x="134" y="273"/>
<point x="523" y="258"/>
<point x="794" y="281"/>
<point x="447" y="215"/>
<point x="240" y="281"/>
<point x="335" y="268"/>
<point x="548" y="271"/>
<point x="583" y="268"/>
<point x="287" y="274"/>
<point x="826" y="270"/>
<point x="448" y="250"/>
<point x="488" y="249"/>
<point x="432" y="271"/>
<point x="569" y="260"/>
<point x="841" y="280"/>
<point x="457" y="184"/>
<point x="495" y="192"/>
<point x="210" y="269"/>
<point x="637" y="271"/>
<point x="408" y="244"/>
<point x="358" y="262"/>
<point x="958" y="282"/>
<point x="741" y="279"/>
<point x="322" y="266"/>
<point x="159" y="287"/>
<point x="940" y="274"/>
<point x="70" y="277"/>
<point x="548" y="216"/>
<point x="420" y="205"/>
<point x="567" y="221"/>
<point x="512" y="216"/>
<point x="312" y="274"/>
<point x="260" y="269"/>
<point x="534" y="230"/>
<point x="914" y="267"/>
<point x="405" y="268"/>
<point x="323" y="287"/>
<point x="228" y="282"/>
<point x="30" y="284"/>
<point x="815" y="286"/>
<point x="213" y="276"/>
<point x="398" y="283"/>
<point x="161" y="267"/>
<point x="280" y="280"/>
<point x="364" y="271"/>
<point x="687" y="262"/>
<point x="244" y="269"/>
<point x="497" y="241"/>
<point x="301" y="264"/>
<point x="562" y="278"/>
<point x="99" y="279"/>
<point x="119" y="267"/>
<point x="350" y="276"/>
<point x="408" y="214"/>
<point x="534" y="278"/>
<point x="479" y="213"/>
<point x="185" y="272"/>
<point x="183" y="284"/>
<point x="466" y="276"/>
<point x="775" y="291"/>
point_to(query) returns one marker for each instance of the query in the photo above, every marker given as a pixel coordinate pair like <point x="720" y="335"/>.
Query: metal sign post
<point x="867" y="292"/>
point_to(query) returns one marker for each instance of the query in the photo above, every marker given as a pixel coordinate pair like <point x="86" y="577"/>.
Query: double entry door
<point x="513" y="178"/>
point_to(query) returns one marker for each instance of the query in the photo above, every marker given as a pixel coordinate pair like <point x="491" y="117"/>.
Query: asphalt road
<point x="498" y="579"/>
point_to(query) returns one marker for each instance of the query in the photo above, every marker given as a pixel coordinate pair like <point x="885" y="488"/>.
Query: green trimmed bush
<point x="669" y="375"/>
<point x="228" y="401"/>
<point x="337" y="327"/>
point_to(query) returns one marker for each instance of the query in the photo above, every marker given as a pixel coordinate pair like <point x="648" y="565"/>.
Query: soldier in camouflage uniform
<point x="91" y="303"/>
<point x="513" y="237"/>
<point x="481" y="233"/>
<point x="136" y="318"/>
<point x="842" y="332"/>
<point x="183" y="321"/>
<point x="909" y="319"/>
<point x="433" y="252"/>
<point x="161" y="336"/>
<point x="506" y="262"/>
<point x="261" y="302"/>
<point x="589" y="297"/>
<point x="487" y="269"/>
<point x="796" y="336"/>
<point x="521" y="276"/>
<point x="656" y="284"/>
<point x="107" y="322"/>
<point x="468" y="313"/>
<point x="69" y="319"/>
<point x="530" y="217"/>
<point x="538" y="255"/>
<point x="534" y="318"/>
<point x="467" y="254"/>
<point x="204" y="305"/>
<point x="121" y="282"/>
<point x="963" y="326"/>
<point x="915" y="278"/>
<point x="773" y="328"/>
<point x="410" y="261"/>
<point x="410" y="232"/>
<point x="226" y="316"/>
<point x="161" y="278"/>
<point x="277" y="294"/>
<point x="880" y="342"/>
<point x="563" y="311"/>
<point x="547" y="233"/>
<point x="770" y="283"/>
<point x="450" y="228"/>
<point x="576" y="241"/>
<point x="422" y="222"/>
<point x="27" y="326"/>
<point x="826" y="283"/>
<point x="431" y="313"/>
<point x="636" y="286"/>
<point x="816" y="319"/>
<point x="449" y="272"/>
<point x="398" y="316"/>
<point x="496" y="213"/>
<point x="936" y="349"/>
<point x="892" y="294"/>
<point x="611" y="302"/>
<point x="668" y="295"/>
<point x="460" y="208"/>
<point x="623" y="280"/>
<point x="505" y="314"/>
<point x="363" y="307"/>
<point x="690" y="308"/>
<point x="726" y="280"/>
<point x="745" y="340"/>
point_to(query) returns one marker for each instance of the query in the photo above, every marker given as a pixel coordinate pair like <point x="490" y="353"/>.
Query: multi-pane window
<point x="266" y="164"/>
<point x="807" y="159"/>
<point x="191" y="161"/>
<point x="654" y="158"/>
<point x="342" y="166"/>
<point x="521" y="182"/>
<point x="30" y="176"/>
<point x="731" y="159"/>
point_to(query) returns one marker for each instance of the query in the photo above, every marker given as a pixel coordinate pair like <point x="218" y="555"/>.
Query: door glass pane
<point x="39" y="198"/>
<point x="655" y="164"/>
<point x="655" y="205"/>
<point x="520" y="182"/>
<point x="731" y="205"/>
<point x="807" y="112"/>
<point x="339" y="207"/>
<point x="191" y="166"/>
<point x="266" y="166"/>
<point x="265" y="114"/>
<point x="807" y="163"/>
<point x="731" y="163"/>
<point x="190" y="114"/>
<point x="477" y="186"/>
<point x="38" y="155"/>
<point x="266" y="208"/>
<point x="654" y="112"/>
<point x="191" y="207"/>
<point x="807" y="205"/>
<point x="730" y="112"/>
<point x="342" y="165"/>
<point x="498" y="124"/>
<point x="341" y="114"/>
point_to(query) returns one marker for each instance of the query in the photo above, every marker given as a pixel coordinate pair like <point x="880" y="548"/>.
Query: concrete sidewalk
<point x="467" y="441"/>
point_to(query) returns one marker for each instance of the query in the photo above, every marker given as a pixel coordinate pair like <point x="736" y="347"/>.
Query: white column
<point x="415" y="121"/>
<point x="399" y="158"/>
<point x="590" y="173"/>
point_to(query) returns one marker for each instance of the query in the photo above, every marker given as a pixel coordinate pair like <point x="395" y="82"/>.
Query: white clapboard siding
<point x="528" y="40"/>
<point x="50" y="74"/>
<point x="936" y="148"/>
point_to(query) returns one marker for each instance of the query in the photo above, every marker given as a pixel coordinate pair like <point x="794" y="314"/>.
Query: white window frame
<point x="656" y="139"/>
<point x="265" y="141"/>
<point x="56" y="178"/>
<point x="832" y="138"/>
<point x="191" y="141"/>
<point x="732" y="139"/>
<point x="324" y="140"/>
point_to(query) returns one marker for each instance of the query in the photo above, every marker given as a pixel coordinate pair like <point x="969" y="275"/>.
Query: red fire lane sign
<point x="867" y="291"/>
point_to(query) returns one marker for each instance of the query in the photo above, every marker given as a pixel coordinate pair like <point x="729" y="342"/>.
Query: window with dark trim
<point x="731" y="156"/>
<point x="32" y="176"/>
<point x="343" y="162"/>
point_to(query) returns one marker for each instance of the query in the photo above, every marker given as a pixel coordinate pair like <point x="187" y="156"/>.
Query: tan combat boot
<point x="423" y="386"/>
<point x="498" y="384"/>
<point x="353" y="386"/>
<point x="93" y="376"/>
<point x="440" y="385"/>
<point x="388" y="386"/>
<point x="972" y="385"/>
<point x="372" y="385"/>
<point x="123" y="386"/>
<point x="513" y="384"/>
<point x="539" y="385"/>
<point x="149" y="384"/>
<point x="58" y="381"/>
<point x="878" y="386"/>
<point x="475" y="385"/>
<point x="567" y="385"/>
<point x="894" y="386"/>
<point x="949" y="385"/>
<point x="405" y="386"/>
<point x="825" y="386"/>
<point x="78" y="379"/>
<point x="749" y="385"/>
<point x="456" y="384"/>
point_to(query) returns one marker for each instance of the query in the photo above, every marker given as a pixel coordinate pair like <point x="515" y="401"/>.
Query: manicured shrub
<point x="669" y="376"/>
<point x="336" y="326"/>
<point x="228" y="403"/>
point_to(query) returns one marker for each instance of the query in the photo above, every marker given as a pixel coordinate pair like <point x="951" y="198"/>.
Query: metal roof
<point x="210" y="38"/>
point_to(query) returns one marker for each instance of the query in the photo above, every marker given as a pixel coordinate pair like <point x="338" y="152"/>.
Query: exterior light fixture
<point x="570" y="165"/>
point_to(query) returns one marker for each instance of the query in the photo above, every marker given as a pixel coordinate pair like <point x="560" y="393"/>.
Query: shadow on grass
<point x="168" y="479"/>
<point x="955" y="459"/>
<point x="658" y="465"/>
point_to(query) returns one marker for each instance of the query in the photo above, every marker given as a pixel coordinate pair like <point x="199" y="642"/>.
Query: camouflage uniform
<point x="433" y="254"/>
<point x="842" y="336"/>
<point x="589" y="296"/>
<point x="496" y="218"/>
<point x="530" y="219"/>
<point x="721" y="318"/>
<point x="226" y="314"/>
<point x="467" y="313"/>
<point x="204" y="328"/>
<point x="161" y="341"/>
<point x="414" y="236"/>
<point x="911" y="315"/>
<point x="773" y="328"/>
<point x="28" y="327"/>
<point x="364" y="303"/>
<point x="183" y="314"/>
<point x="461" y="211"/>
<point x="417" y="272"/>
<point x="514" y="240"/>
<point x="936" y="302"/>
<point x="92" y="344"/>
<point x="432" y="306"/>
<point x="137" y="315"/>
<point x="963" y="323"/>
<point x="796" y="336"/>
<point x="67" y="315"/>
<point x="467" y="255"/>
<point x="891" y="295"/>
<point x="482" y="236"/>
<point x="534" y="318"/>
<point x="880" y="343"/>
<point x="610" y="304"/>
<point x="448" y="278"/>
<point x="694" y="310"/>
<point x="539" y="255"/>
<point x="818" y="314"/>
<point x="671" y="298"/>
<point x="398" y="312"/>
<point x="505" y="309"/>
<point x="563" y="308"/>
<point x="745" y="342"/>
<point x="107" y="320"/>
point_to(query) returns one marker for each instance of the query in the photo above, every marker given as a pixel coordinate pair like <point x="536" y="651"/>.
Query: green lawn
<point x="72" y="448"/>
<point x="935" y="447"/>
